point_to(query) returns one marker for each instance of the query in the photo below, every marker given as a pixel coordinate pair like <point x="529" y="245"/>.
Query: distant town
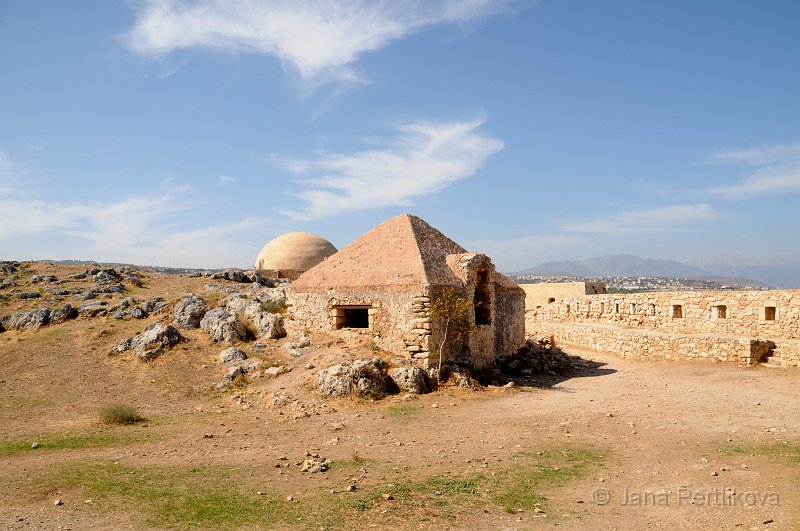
<point x="634" y="284"/>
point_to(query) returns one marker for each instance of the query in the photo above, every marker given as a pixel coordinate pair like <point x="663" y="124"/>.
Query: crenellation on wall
<point x="723" y="325"/>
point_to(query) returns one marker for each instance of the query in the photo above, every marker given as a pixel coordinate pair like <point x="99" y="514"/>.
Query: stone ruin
<point x="383" y="285"/>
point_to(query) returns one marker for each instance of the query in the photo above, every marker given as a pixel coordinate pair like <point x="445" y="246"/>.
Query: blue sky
<point x="190" y="133"/>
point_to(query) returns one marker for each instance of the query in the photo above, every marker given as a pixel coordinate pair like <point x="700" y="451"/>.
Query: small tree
<point x="452" y="310"/>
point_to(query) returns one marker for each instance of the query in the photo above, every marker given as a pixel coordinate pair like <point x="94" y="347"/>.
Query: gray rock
<point x="366" y="378"/>
<point x="7" y="284"/>
<point x="93" y="308"/>
<point x="223" y="327"/>
<point x="301" y="340"/>
<point x="106" y="276"/>
<point x="229" y="378"/>
<point x="294" y="352"/>
<point x="189" y="312"/>
<point x="154" y="341"/>
<point x="411" y="379"/>
<point x="271" y="298"/>
<point x="276" y="371"/>
<point x="30" y="295"/>
<point x="232" y="356"/>
<point x="32" y="320"/>
<point x="62" y="314"/>
<point x="263" y="324"/>
<point x="155" y="305"/>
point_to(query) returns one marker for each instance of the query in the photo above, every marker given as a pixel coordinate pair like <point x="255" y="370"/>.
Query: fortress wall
<point x="722" y="325"/>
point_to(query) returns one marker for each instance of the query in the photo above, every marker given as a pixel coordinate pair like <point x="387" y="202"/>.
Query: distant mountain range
<point x="775" y="271"/>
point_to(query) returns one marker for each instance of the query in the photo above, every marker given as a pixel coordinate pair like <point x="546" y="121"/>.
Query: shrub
<point x="120" y="414"/>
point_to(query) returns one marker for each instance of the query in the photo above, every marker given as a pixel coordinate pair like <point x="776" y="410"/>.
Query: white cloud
<point x="425" y="158"/>
<point x="135" y="230"/>
<point x="225" y="179"/>
<point x="768" y="181"/>
<point x="757" y="156"/>
<point x="662" y="219"/>
<point x="318" y="38"/>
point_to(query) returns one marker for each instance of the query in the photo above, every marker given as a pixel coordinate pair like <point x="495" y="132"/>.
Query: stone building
<point x="291" y="254"/>
<point x="382" y="285"/>
<point x="544" y="293"/>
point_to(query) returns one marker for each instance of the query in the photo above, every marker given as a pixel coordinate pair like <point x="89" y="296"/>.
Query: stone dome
<point x="294" y="251"/>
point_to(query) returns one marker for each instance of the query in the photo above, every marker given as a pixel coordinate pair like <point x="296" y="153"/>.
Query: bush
<point x="120" y="414"/>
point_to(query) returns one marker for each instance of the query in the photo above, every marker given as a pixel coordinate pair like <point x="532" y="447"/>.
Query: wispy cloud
<point x="136" y="230"/>
<point x="772" y="180"/>
<point x="777" y="171"/>
<point x="225" y="180"/>
<point x="663" y="219"/>
<point x="425" y="158"/>
<point x="757" y="156"/>
<point x="320" y="39"/>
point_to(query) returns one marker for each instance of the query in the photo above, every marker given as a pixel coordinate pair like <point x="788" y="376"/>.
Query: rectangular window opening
<point x="352" y="316"/>
<point x="677" y="311"/>
<point x="769" y="313"/>
<point x="720" y="311"/>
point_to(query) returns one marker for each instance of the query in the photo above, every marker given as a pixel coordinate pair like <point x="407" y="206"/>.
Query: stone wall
<point x="397" y="320"/>
<point x="722" y="325"/>
<point x="538" y="295"/>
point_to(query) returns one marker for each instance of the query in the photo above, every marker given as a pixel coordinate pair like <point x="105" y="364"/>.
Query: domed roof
<point x="294" y="251"/>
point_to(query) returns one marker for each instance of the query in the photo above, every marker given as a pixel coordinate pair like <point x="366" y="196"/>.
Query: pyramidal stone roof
<point x="400" y="253"/>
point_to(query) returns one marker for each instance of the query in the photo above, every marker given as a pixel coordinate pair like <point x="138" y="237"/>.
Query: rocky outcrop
<point x="151" y="343"/>
<point x="93" y="308"/>
<point x="232" y="356"/>
<point x="365" y="378"/>
<point x="127" y="309"/>
<point x="32" y="320"/>
<point x="411" y="380"/>
<point x="223" y="327"/>
<point x="262" y="323"/>
<point x="62" y="314"/>
<point x="189" y="312"/>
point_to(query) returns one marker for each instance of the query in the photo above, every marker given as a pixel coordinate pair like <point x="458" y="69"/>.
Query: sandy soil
<point x="662" y="428"/>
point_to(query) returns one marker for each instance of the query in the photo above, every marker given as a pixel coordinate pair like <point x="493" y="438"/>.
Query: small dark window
<point x="677" y="311"/>
<point x="352" y="317"/>
<point x="720" y="311"/>
<point x="550" y="300"/>
<point x="482" y="299"/>
<point x="769" y="313"/>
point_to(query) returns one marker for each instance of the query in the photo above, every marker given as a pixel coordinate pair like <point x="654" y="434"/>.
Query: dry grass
<point x="120" y="414"/>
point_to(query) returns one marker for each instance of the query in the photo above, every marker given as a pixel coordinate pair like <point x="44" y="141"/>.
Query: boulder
<point x="151" y="343"/>
<point x="93" y="308"/>
<point x="229" y="378"/>
<point x="365" y="378"/>
<point x="223" y="327"/>
<point x="30" y="295"/>
<point x="271" y="299"/>
<point x="232" y="356"/>
<point x="106" y="276"/>
<point x="411" y="380"/>
<point x="189" y="312"/>
<point x="263" y="324"/>
<point x="32" y="320"/>
<point x="62" y="314"/>
<point x="154" y="305"/>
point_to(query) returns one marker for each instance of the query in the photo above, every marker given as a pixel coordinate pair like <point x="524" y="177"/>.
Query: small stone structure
<point x="736" y="326"/>
<point x="543" y="293"/>
<point x="292" y="254"/>
<point x="382" y="285"/>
